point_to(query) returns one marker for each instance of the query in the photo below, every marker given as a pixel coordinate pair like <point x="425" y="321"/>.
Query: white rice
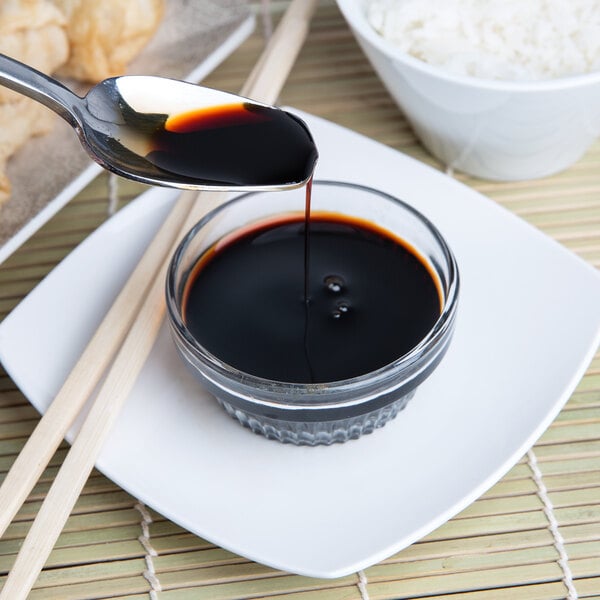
<point x="518" y="40"/>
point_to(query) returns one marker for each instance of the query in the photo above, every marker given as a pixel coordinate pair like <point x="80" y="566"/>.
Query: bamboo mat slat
<point x="498" y="548"/>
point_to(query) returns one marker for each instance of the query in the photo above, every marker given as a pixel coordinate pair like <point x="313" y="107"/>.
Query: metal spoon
<point x="117" y="120"/>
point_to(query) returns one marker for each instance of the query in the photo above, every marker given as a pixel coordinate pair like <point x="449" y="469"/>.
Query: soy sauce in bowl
<point x="313" y="331"/>
<point x="369" y="299"/>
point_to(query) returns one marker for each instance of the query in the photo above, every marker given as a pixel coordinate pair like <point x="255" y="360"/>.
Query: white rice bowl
<point x="511" y="40"/>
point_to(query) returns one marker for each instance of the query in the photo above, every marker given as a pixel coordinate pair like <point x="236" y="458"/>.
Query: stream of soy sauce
<point x="307" y="206"/>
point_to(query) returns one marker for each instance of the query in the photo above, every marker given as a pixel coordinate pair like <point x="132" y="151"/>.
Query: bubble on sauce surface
<point x="334" y="283"/>
<point x="341" y="309"/>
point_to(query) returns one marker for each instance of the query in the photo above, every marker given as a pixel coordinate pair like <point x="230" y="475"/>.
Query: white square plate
<point x="528" y="325"/>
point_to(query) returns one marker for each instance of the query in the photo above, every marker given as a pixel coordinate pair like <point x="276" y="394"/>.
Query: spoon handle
<point x="34" y="84"/>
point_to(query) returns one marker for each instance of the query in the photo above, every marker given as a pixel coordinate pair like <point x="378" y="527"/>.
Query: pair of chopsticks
<point x="124" y="338"/>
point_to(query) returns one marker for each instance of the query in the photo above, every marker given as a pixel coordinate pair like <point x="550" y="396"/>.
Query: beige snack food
<point x="104" y="36"/>
<point x="32" y="31"/>
<point x="19" y="120"/>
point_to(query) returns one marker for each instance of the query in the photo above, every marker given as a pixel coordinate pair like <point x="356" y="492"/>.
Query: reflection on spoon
<point x="171" y="133"/>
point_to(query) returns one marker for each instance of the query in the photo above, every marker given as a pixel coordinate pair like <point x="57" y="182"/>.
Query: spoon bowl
<point x="132" y="126"/>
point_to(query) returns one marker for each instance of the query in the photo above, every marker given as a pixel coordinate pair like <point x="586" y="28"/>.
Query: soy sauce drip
<point x="307" y="206"/>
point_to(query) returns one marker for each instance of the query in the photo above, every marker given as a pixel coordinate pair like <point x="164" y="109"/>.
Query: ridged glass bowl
<point x="316" y="413"/>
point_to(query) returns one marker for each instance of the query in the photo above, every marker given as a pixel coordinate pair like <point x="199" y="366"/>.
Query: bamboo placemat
<point x="502" y="546"/>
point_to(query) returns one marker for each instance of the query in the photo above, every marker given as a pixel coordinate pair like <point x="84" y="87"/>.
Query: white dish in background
<point x="528" y="325"/>
<point x="192" y="40"/>
<point x="493" y="129"/>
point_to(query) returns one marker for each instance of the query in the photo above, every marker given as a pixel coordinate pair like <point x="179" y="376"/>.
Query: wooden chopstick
<point x="264" y="84"/>
<point x="274" y="65"/>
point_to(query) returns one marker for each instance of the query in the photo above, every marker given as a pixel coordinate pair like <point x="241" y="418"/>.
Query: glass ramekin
<point x="319" y="413"/>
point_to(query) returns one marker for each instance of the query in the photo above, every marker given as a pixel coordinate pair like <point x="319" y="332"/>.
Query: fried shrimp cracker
<point x="32" y="31"/>
<point x="105" y="36"/>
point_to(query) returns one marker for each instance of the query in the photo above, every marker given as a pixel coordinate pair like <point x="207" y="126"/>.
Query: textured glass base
<point x="308" y="433"/>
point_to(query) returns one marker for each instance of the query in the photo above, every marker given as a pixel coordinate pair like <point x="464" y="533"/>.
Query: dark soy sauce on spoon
<point x="238" y="145"/>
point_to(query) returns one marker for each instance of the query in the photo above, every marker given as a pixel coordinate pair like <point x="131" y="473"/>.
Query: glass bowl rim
<point x="294" y="390"/>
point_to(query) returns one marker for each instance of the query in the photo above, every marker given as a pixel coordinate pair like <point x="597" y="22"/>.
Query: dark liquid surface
<point x="370" y="300"/>
<point x="234" y="145"/>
